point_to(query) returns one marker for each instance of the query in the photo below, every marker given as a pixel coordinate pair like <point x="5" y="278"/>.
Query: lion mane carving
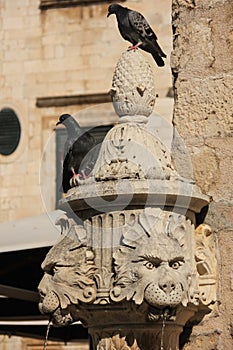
<point x="151" y="265"/>
<point x="69" y="275"/>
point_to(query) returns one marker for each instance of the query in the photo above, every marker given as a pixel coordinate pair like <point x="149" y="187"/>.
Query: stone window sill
<point x="50" y="4"/>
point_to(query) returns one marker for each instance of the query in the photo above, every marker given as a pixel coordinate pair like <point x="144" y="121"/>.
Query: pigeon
<point x="200" y="217"/>
<point x="78" y="162"/>
<point x="134" y="28"/>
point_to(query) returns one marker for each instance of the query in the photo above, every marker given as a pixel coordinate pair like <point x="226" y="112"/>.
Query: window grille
<point x="10" y="131"/>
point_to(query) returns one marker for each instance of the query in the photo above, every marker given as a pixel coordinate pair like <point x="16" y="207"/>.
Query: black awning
<point x="20" y="275"/>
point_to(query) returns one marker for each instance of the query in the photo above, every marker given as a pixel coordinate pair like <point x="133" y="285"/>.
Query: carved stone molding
<point x="70" y="100"/>
<point x="133" y="168"/>
<point x="50" y="4"/>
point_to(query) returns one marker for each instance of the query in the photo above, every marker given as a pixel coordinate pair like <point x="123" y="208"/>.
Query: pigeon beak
<point x="58" y="123"/>
<point x="108" y="14"/>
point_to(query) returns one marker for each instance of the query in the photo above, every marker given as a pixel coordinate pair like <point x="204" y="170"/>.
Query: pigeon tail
<point x="157" y="54"/>
<point x="158" y="59"/>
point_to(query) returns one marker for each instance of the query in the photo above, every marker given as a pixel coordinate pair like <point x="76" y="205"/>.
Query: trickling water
<point x="47" y="335"/>
<point x="162" y="333"/>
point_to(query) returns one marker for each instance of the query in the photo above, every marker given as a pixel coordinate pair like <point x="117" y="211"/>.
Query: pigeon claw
<point x="134" y="47"/>
<point x="78" y="179"/>
<point x="75" y="180"/>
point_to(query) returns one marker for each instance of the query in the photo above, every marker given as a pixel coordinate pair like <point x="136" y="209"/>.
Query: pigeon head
<point x="114" y="8"/>
<point x="71" y="125"/>
<point x="63" y="118"/>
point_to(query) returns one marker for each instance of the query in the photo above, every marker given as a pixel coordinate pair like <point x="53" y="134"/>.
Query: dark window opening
<point x="98" y="133"/>
<point x="10" y="131"/>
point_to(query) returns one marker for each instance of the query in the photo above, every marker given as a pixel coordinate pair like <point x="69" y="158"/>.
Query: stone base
<point x="162" y="336"/>
<point x="125" y="329"/>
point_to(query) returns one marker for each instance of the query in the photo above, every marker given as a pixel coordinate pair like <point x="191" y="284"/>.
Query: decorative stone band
<point x="111" y="195"/>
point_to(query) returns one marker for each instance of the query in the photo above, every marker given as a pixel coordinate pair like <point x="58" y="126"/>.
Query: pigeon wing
<point x="140" y="24"/>
<point x="67" y="173"/>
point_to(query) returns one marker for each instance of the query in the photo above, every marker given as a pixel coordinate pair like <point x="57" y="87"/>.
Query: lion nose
<point x="167" y="286"/>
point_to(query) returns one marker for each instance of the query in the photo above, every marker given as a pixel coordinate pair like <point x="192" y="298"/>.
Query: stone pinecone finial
<point x="133" y="92"/>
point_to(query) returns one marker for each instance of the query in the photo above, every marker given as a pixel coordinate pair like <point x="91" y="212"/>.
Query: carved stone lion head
<point x="69" y="276"/>
<point x="151" y="264"/>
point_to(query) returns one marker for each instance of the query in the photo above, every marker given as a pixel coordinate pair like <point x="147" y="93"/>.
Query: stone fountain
<point x="131" y="264"/>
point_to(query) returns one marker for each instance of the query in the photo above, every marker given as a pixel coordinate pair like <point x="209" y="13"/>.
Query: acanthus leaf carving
<point x="206" y="261"/>
<point x="104" y="281"/>
<point x="120" y="156"/>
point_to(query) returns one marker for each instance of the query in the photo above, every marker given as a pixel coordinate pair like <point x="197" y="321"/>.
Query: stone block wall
<point x="202" y="64"/>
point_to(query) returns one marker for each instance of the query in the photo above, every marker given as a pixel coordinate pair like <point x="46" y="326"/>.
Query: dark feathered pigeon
<point x="78" y="145"/>
<point x="135" y="29"/>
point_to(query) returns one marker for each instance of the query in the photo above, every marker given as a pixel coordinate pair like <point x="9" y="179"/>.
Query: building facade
<point x="58" y="57"/>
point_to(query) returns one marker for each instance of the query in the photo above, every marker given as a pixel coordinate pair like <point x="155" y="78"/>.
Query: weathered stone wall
<point x="59" y="52"/>
<point x="202" y="64"/>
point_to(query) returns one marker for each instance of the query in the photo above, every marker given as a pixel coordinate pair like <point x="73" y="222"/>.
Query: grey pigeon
<point x="78" y="144"/>
<point x="135" y="29"/>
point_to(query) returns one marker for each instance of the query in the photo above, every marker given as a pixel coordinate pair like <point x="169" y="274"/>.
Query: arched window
<point x="10" y="131"/>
